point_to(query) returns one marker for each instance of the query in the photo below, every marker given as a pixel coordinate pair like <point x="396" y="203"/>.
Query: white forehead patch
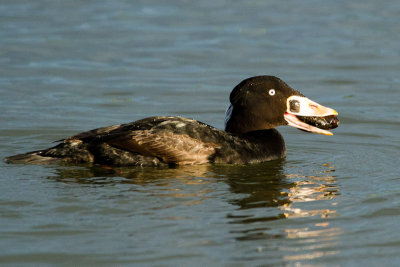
<point x="228" y="114"/>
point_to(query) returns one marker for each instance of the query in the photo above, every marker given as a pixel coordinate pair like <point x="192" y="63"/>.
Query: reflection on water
<point x="272" y="194"/>
<point x="320" y="237"/>
<point x="265" y="185"/>
<point x="262" y="194"/>
<point x="319" y="186"/>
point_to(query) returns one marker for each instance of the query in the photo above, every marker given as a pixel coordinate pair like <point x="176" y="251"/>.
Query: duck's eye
<point x="271" y="92"/>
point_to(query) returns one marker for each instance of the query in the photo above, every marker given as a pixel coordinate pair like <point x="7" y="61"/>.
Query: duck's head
<point x="265" y="102"/>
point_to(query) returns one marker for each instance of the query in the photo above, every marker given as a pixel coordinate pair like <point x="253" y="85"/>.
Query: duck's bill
<point x="310" y="116"/>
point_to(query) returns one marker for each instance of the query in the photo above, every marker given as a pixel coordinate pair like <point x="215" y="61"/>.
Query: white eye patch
<point x="271" y="92"/>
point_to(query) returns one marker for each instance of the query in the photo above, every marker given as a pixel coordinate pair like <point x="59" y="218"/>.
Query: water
<point x="70" y="66"/>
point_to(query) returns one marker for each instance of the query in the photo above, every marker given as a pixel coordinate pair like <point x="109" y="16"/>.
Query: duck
<point x="257" y="106"/>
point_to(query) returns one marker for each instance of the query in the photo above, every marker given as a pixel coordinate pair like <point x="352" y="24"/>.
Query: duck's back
<point x="160" y="141"/>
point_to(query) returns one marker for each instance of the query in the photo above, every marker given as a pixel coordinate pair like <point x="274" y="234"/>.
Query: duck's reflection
<point x="278" y="191"/>
<point x="261" y="193"/>
<point x="256" y="187"/>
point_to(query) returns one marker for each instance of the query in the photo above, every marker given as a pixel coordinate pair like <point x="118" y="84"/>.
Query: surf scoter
<point x="258" y="105"/>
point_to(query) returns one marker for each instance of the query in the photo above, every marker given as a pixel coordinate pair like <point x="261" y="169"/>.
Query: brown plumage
<point x="167" y="146"/>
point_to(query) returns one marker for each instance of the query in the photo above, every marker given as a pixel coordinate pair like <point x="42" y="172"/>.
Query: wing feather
<point x="168" y="146"/>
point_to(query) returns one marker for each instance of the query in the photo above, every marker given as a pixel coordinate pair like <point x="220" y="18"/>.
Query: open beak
<point x="310" y="116"/>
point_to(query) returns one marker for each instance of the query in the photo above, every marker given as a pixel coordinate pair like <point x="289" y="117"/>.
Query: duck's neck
<point x="243" y="121"/>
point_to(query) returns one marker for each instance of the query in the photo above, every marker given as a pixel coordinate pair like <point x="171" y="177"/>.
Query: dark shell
<point x="325" y="123"/>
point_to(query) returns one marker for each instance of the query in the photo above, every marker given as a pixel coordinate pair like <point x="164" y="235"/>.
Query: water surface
<point x="71" y="66"/>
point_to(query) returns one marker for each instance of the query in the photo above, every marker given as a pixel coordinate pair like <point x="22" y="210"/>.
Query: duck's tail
<point x="78" y="152"/>
<point x="67" y="151"/>
<point x="34" y="157"/>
